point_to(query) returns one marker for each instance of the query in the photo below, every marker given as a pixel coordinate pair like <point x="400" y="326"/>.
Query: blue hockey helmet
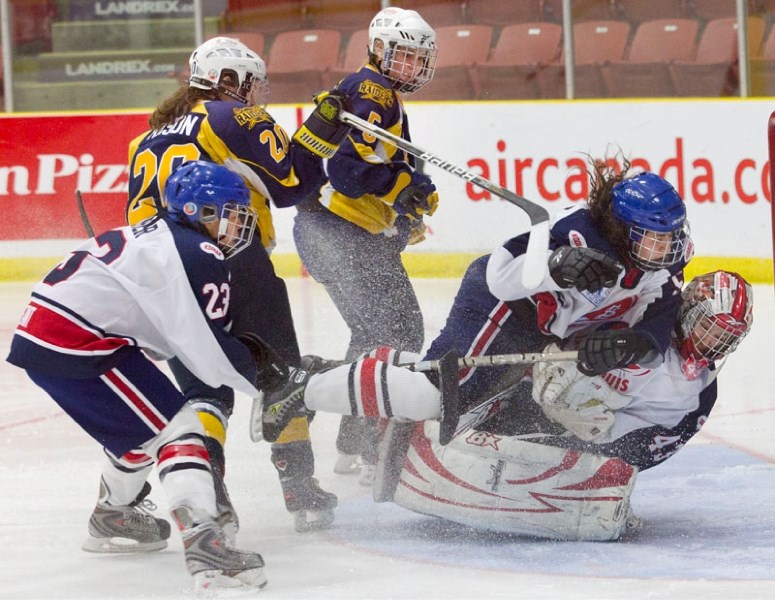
<point x="656" y="217"/>
<point x="201" y="192"/>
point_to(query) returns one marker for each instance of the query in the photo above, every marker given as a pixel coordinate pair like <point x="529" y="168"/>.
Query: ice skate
<point x="213" y="561"/>
<point x="126" y="529"/>
<point x="311" y="506"/>
<point x="283" y="403"/>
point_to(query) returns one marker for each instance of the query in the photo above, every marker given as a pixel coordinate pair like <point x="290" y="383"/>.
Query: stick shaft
<point x="497" y="360"/>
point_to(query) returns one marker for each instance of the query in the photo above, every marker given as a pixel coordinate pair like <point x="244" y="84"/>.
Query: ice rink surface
<point x="708" y="514"/>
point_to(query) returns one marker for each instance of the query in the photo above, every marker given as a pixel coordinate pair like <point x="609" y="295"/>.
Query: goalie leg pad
<point x="514" y="486"/>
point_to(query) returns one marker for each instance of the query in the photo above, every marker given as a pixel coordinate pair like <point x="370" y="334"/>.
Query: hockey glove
<point x="585" y="269"/>
<point x="322" y="132"/>
<point x="272" y="370"/>
<point x="412" y="195"/>
<point x="603" y="351"/>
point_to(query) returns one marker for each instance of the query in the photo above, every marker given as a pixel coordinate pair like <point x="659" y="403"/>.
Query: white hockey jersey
<point x="646" y="298"/>
<point x="159" y="286"/>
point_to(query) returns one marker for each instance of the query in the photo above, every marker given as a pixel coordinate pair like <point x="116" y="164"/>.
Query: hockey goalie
<point x="560" y="455"/>
<point x="554" y="453"/>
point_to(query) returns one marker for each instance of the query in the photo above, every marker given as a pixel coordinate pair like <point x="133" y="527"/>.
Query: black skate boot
<point x="282" y="403"/>
<point x="126" y="529"/>
<point x="311" y="506"/>
<point x="212" y="560"/>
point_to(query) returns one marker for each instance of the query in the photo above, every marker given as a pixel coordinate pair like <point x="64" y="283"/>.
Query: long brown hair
<point x="602" y="179"/>
<point x="178" y="104"/>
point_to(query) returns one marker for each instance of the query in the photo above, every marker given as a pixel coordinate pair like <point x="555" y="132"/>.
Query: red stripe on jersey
<point x="369" y="388"/>
<point x="135" y="400"/>
<point x="182" y="450"/>
<point x="52" y="328"/>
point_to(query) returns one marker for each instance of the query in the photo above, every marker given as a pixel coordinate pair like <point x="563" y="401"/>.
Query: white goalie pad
<point x="510" y="485"/>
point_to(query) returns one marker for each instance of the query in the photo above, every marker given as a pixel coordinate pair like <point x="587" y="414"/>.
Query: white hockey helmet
<point x="716" y="313"/>
<point x="409" y="56"/>
<point x="231" y="68"/>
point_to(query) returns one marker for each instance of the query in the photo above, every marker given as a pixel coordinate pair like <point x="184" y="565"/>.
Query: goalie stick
<point x="538" y="244"/>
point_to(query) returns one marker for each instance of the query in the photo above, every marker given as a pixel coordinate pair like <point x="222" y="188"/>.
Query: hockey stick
<point x="452" y="422"/>
<point x="84" y="218"/>
<point x="538" y="244"/>
<point x="497" y="360"/>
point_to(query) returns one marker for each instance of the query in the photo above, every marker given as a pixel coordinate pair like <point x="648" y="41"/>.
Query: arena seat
<point x="644" y="72"/>
<point x="297" y="62"/>
<point x="460" y="48"/>
<point x="594" y="43"/>
<point x="714" y="70"/>
<point x="352" y="58"/>
<point x="763" y="68"/>
<point x="520" y="52"/>
<point x="267" y="16"/>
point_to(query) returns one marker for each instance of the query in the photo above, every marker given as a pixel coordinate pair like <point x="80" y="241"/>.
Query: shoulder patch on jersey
<point x="576" y="239"/>
<point x="250" y="116"/>
<point x="211" y="248"/>
<point x="370" y="90"/>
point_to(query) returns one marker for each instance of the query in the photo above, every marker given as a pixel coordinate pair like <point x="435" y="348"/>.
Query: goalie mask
<point x="716" y="314"/>
<point x="408" y="48"/>
<point x="655" y="217"/>
<point x="231" y="68"/>
<point x="200" y="193"/>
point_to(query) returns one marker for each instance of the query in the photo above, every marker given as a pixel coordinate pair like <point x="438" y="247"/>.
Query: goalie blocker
<point x="510" y="485"/>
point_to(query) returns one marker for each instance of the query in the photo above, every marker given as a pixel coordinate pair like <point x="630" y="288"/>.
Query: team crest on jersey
<point x="610" y="312"/>
<point x="211" y="248"/>
<point x="250" y="116"/>
<point x="376" y="93"/>
<point x="598" y="296"/>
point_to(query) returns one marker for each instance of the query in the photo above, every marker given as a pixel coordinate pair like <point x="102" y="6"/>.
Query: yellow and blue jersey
<point x="364" y="168"/>
<point x="245" y="139"/>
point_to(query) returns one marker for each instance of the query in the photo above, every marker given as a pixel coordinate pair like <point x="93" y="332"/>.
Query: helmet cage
<point x="236" y="228"/>
<point x="647" y="249"/>
<point x="715" y="316"/>
<point x="408" y="67"/>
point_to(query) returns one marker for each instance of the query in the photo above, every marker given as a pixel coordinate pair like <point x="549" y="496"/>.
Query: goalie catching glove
<point x="583" y="405"/>
<point x="412" y="195"/>
<point x="603" y="351"/>
<point x="323" y="132"/>
<point x="585" y="269"/>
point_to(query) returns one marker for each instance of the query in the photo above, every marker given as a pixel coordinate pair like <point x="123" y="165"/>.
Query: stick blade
<point x="449" y="382"/>
<point x="536" y="259"/>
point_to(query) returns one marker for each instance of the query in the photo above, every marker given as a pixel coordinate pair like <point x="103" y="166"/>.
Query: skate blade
<point x="309" y="520"/>
<point x="256" y="425"/>
<point x="215" y="584"/>
<point x="118" y="545"/>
